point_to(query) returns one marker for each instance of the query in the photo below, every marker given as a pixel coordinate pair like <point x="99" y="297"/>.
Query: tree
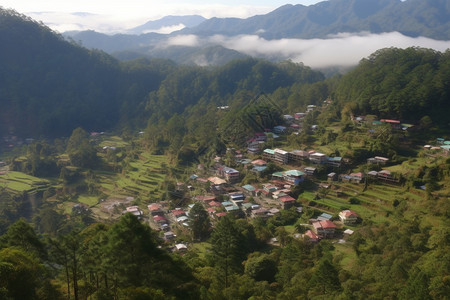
<point x="23" y="236"/>
<point x="227" y="249"/>
<point x="19" y="274"/>
<point x="324" y="280"/>
<point x="81" y="152"/>
<point x="199" y="222"/>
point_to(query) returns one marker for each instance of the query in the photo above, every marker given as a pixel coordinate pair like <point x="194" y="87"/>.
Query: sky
<point x="116" y="15"/>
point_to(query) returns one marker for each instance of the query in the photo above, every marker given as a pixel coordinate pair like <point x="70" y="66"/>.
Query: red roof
<point x="215" y="203"/>
<point x="221" y="214"/>
<point x="205" y="198"/>
<point x="359" y="174"/>
<point x="390" y="121"/>
<point x="348" y="213"/>
<point x="178" y="212"/>
<point x="154" y="206"/>
<point x="311" y="235"/>
<point x="327" y="224"/>
<point x="158" y="218"/>
<point x="287" y="199"/>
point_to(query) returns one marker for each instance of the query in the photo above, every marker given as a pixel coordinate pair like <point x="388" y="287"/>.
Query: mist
<point x="341" y="50"/>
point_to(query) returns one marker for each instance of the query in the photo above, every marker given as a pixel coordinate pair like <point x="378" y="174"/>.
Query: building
<point x="378" y="160"/>
<point x="287" y="201"/>
<point x="293" y="176"/>
<point x="309" y="171"/>
<point x="334" y="161"/>
<point x="298" y="156"/>
<point x="269" y="154"/>
<point x="348" y="216"/>
<point x="281" y="156"/>
<point x="324" y="229"/>
<point x="311" y="236"/>
<point x="318" y="158"/>
<point x="230" y="174"/>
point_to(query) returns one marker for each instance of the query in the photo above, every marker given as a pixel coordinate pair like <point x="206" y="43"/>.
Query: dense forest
<point x="67" y="230"/>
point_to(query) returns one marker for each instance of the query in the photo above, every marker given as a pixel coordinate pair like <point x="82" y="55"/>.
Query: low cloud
<point x="344" y="49"/>
<point x="166" y="29"/>
<point x="183" y="40"/>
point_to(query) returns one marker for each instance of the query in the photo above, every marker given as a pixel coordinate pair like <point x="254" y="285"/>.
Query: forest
<point x="90" y="143"/>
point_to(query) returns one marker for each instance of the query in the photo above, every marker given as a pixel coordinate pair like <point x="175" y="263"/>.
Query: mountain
<point x="411" y="18"/>
<point x="324" y="20"/>
<point x="168" y="21"/>
<point x="51" y="86"/>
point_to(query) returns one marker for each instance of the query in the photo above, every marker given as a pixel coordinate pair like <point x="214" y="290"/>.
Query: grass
<point x="20" y="182"/>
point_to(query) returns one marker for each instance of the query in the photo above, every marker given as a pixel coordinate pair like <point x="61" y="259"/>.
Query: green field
<point x="20" y="182"/>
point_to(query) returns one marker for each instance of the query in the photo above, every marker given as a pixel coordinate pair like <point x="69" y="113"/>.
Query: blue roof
<point x="259" y="168"/>
<point x="249" y="187"/>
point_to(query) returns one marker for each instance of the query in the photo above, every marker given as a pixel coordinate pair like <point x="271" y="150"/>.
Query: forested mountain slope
<point x="412" y="18"/>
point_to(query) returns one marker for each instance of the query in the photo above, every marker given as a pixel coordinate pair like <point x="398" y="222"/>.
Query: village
<point x="219" y="190"/>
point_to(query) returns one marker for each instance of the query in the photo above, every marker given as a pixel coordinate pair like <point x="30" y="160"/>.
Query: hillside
<point x="412" y="18"/>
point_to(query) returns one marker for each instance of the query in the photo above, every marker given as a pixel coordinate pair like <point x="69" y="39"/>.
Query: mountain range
<point x="324" y="20"/>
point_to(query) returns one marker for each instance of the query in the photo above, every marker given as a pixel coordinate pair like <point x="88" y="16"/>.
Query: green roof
<point x="249" y="187"/>
<point x="294" y="173"/>
<point x="270" y="151"/>
<point x="278" y="174"/>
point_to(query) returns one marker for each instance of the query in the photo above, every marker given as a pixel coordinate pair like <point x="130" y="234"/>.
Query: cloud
<point x="183" y="40"/>
<point x="344" y="49"/>
<point x="166" y="29"/>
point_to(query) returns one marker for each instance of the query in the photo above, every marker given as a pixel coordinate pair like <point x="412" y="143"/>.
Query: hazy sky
<point x="111" y="15"/>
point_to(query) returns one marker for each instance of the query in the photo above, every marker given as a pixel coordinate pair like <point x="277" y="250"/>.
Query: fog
<point x="344" y="49"/>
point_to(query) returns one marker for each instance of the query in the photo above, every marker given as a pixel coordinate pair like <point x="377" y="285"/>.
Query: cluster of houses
<point x="440" y="145"/>
<point x="298" y="156"/>
<point x="324" y="228"/>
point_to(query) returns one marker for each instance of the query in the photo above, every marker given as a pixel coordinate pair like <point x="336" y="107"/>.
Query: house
<point x="260" y="136"/>
<point x="445" y="149"/>
<point x="299" y="116"/>
<point x="155" y="209"/>
<point x="259" y="163"/>
<point x="324" y="216"/>
<point x="348" y="216"/>
<point x="230" y="174"/>
<point x="294" y="176"/>
<point x="353" y="177"/>
<point x="260" y="213"/>
<point x="221" y="214"/>
<point x="279" y="129"/>
<point x="310" y="108"/>
<point x="259" y="169"/>
<point x="181" y="247"/>
<point x="334" y="161"/>
<point x="288" y="118"/>
<point x="309" y="171"/>
<point x="394" y="123"/>
<point x="332" y="176"/>
<point x="269" y="154"/>
<point x="169" y="235"/>
<point x="281" y="156"/>
<point x="216" y="180"/>
<point x="324" y="229"/>
<point x="237" y="198"/>
<point x="249" y="189"/>
<point x="160" y="219"/>
<point x="134" y="210"/>
<point x="386" y="175"/>
<point x="178" y="213"/>
<point x="205" y="199"/>
<point x="378" y="160"/>
<point x="318" y="158"/>
<point x="298" y="156"/>
<point x="311" y="236"/>
<point x="287" y="202"/>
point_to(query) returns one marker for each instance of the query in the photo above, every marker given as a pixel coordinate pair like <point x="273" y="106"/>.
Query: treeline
<point x="402" y="259"/>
